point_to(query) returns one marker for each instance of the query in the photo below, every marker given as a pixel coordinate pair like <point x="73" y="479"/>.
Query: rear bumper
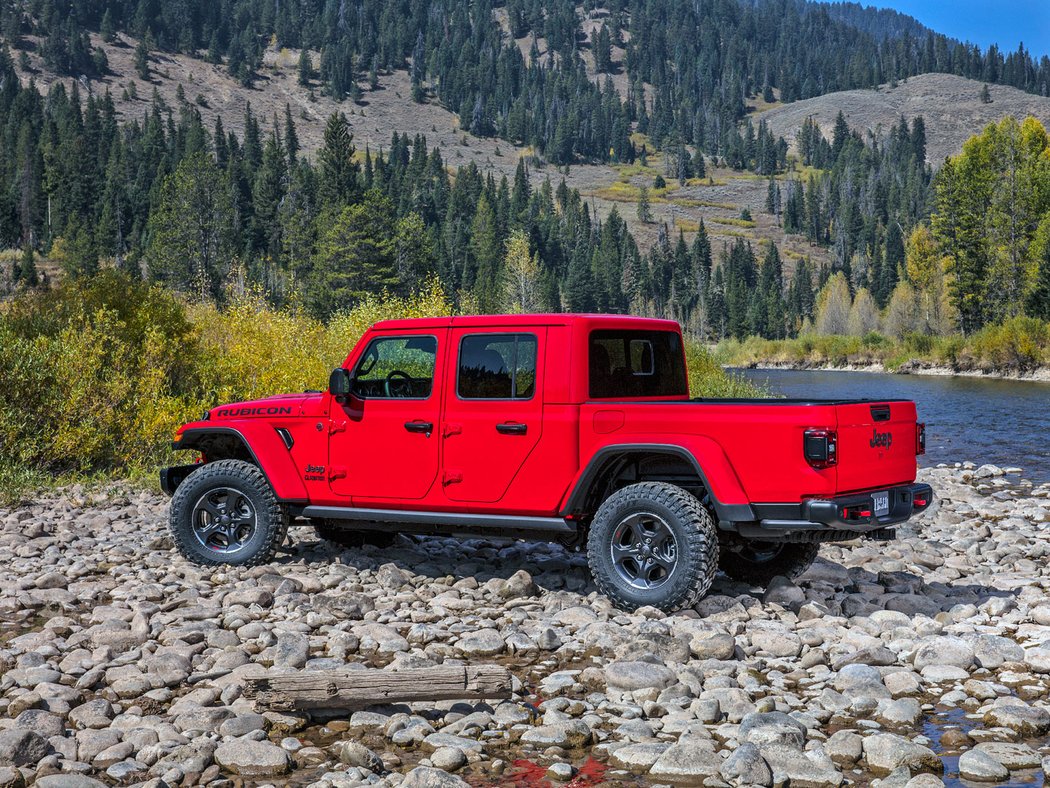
<point x="852" y="513"/>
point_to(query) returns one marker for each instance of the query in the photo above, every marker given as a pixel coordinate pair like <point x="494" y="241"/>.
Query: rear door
<point x="876" y="445"/>
<point x="493" y="410"/>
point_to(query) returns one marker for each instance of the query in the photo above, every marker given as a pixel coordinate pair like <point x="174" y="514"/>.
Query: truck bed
<point x="754" y="447"/>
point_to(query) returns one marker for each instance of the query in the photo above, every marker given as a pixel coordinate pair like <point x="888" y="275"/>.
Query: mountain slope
<point x="950" y="105"/>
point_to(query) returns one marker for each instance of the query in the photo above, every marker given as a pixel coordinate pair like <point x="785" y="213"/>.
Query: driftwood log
<point x="329" y="689"/>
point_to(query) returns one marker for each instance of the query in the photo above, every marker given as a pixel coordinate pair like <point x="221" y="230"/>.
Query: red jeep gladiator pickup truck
<point x="577" y="428"/>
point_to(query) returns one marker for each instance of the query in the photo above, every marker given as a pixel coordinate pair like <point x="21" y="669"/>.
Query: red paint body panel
<point x="359" y="453"/>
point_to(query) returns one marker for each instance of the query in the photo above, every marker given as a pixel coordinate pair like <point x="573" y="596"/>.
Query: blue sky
<point x="984" y="22"/>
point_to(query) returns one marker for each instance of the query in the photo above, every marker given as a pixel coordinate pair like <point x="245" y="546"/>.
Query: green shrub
<point x="98" y="373"/>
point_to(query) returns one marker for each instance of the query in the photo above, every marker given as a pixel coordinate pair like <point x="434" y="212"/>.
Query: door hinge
<point x="451" y="429"/>
<point x="451" y="477"/>
<point x="336" y="472"/>
<point x="336" y="426"/>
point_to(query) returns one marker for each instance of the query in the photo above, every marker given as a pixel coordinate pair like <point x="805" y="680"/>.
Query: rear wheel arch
<point x="614" y="467"/>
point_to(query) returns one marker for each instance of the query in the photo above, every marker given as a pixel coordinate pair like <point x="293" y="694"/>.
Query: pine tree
<point x="483" y="274"/>
<point x="106" y="28"/>
<point x="306" y="67"/>
<point x="291" y="137"/>
<point x="338" y="169"/>
<point x="191" y="230"/>
<point x="356" y="254"/>
<point x="645" y="211"/>
<point x="142" y="60"/>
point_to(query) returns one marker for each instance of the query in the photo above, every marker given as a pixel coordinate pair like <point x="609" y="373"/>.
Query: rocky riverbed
<point x="887" y="664"/>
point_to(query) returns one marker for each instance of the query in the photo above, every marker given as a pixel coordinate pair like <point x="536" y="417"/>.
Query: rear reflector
<point x="920" y="439"/>
<point x="821" y="448"/>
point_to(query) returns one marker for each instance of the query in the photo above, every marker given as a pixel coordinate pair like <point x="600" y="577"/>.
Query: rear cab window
<point x="627" y="364"/>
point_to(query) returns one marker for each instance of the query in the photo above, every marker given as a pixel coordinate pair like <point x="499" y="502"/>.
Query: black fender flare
<point x="278" y="467"/>
<point x="727" y="512"/>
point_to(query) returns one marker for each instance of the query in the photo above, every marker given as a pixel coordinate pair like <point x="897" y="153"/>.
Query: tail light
<point x="821" y="448"/>
<point x="920" y="439"/>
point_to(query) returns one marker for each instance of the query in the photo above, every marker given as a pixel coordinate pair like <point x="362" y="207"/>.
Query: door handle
<point x="512" y="428"/>
<point x="420" y="426"/>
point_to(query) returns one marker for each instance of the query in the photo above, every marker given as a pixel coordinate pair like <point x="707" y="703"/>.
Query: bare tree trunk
<point x="358" y="688"/>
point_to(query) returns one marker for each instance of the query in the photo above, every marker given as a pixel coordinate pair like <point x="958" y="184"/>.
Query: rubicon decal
<point x="883" y="439"/>
<point x="229" y="413"/>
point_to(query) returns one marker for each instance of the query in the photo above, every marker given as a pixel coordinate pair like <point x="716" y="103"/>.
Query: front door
<point x="383" y="443"/>
<point x="493" y="410"/>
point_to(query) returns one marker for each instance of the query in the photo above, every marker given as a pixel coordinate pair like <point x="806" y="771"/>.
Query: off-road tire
<point x="348" y="537"/>
<point x="790" y="561"/>
<point x="694" y="532"/>
<point x="271" y="522"/>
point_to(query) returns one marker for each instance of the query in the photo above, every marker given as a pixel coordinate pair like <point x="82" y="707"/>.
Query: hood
<point x="267" y="407"/>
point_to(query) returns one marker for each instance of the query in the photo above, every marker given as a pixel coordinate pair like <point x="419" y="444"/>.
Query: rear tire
<point x="758" y="563"/>
<point x="225" y="512"/>
<point x="348" y="537"/>
<point x="653" y="544"/>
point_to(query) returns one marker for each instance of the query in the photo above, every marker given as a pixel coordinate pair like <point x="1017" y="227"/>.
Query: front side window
<point x="396" y="368"/>
<point x="497" y="366"/>
<point x="636" y="364"/>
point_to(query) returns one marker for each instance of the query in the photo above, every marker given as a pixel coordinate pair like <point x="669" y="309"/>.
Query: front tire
<point x="758" y="563"/>
<point x="653" y="544"/>
<point x="225" y="512"/>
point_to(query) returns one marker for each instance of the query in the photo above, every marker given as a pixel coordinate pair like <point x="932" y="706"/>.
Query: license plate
<point x="882" y="503"/>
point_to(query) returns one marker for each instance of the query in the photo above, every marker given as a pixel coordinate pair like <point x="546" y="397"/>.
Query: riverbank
<point x="886" y="664"/>
<point x="1017" y="349"/>
<point x="1039" y="374"/>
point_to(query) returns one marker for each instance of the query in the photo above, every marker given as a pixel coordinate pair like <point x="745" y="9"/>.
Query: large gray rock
<point x="982" y="767"/>
<point x="796" y="768"/>
<point x="574" y="733"/>
<point x="1012" y="755"/>
<point x="772" y="727"/>
<point x="844" y="748"/>
<point x="252" y="758"/>
<point x="944" y="651"/>
<point x="292" y="650"/>
<point x="429" y="777"/>
<point x="22" y="747"/>
<point x="860" y="681"/>
<point x="638" y="675"/>
<point x="712" y="645"/>
<point x="68" y="781"/>
<point x="688" y="761"/>
<point x="1029" y="721"/>
<point x="781" y="591"/>
<point x="483" y="643"/>
<point x="354" y="753"/>
<point x="638" y="758"/>
<point x="885" y="752"/>
<point x="40" y="721"/>
<point x="746" y="766"/>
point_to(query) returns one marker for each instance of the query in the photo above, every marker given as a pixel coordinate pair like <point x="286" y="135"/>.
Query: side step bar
<point x="444" y="521"/>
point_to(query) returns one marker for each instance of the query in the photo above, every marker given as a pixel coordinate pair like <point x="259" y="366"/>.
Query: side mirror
<point x="339" y="383"/>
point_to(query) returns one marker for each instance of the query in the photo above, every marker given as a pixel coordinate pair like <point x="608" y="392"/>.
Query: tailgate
<point x="876" y="445"/>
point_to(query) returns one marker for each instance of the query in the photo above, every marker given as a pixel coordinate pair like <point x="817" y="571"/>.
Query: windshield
<point x="636" y="364"/>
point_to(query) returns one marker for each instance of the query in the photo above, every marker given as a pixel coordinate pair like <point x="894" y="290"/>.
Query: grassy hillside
<point x="951" y="106"/>
<point x="209" y="88"/>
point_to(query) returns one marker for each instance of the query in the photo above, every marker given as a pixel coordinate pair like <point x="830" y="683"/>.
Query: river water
<point x="1003" y="422"/>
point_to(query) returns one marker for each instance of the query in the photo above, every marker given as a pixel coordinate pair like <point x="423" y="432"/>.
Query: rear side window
<point x="497" y="366"/>
<point x="636" y="364"/>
